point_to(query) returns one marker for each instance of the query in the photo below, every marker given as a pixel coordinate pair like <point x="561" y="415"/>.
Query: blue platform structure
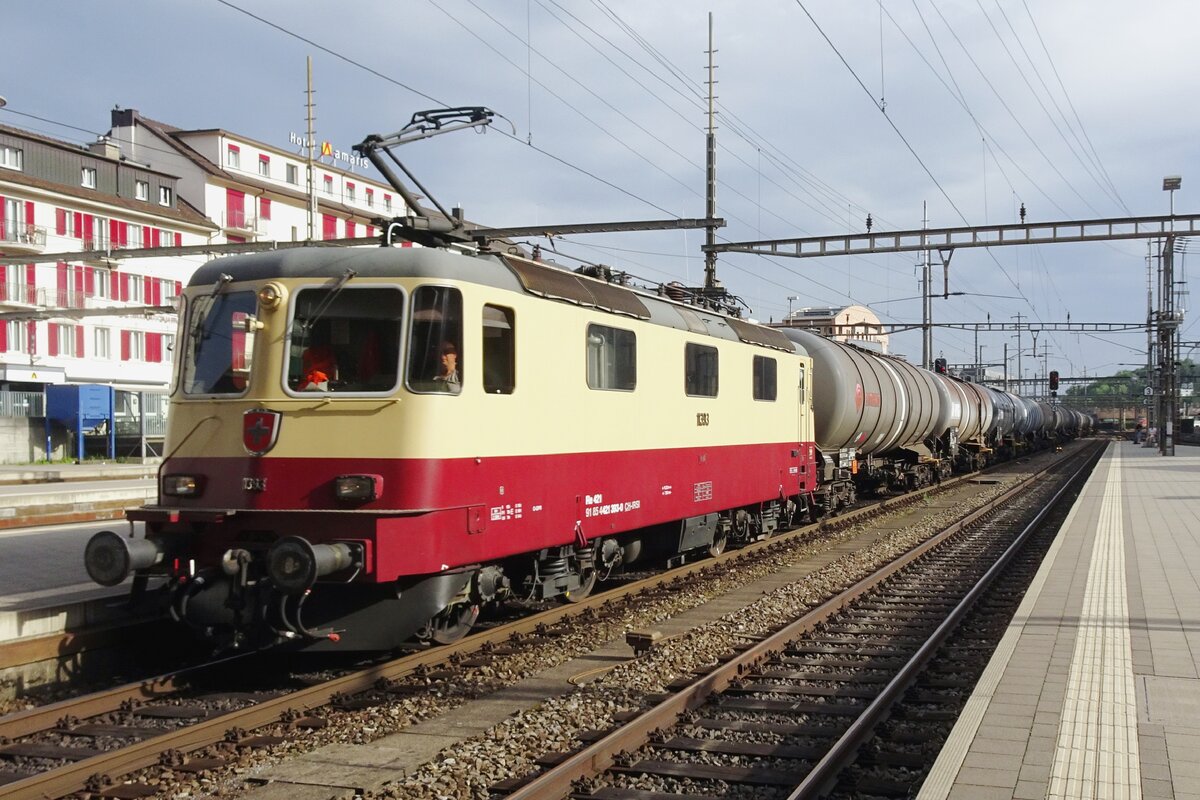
<point x="82" y="408"/>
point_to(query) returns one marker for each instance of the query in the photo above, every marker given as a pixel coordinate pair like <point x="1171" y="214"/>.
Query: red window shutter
<point x="155" y="237"/>
<point x="264" y="207"/>
<point x="3" y="337"/>
<point x="89" y="281"/>
<point x="3" y="286"/>
<point x="1" y="216"/>
<point x="88" y="224"/>
<point x="235" y="208"/>
<point x="61" y="285"/>
<point x="124" y="345"/>
<point x="179" y="240"/>
<point x="114" y="233"/>
<point x="147" y="289"/>
<point x="328" y="226"/>
<point x="31" y="285"/>
<point x="114" y="290"/>
<point x="52" y="331"/>
<point x="178" y="288"/>
<point x="79" y="341"/>
<point x="124" y="230"/>
<point x="60" y="221"/>
<point x="349" y="229"/>
<point x="79" y="225"/>
<point x="370" y="230"/>
<point x="29" y="213"/>
<point x="145" y="236"/>
<point x="157" y="299"/>
<point x="124" y="288"/>
<point x="78" y="299"/>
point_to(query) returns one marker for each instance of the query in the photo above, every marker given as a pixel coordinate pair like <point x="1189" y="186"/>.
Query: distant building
<point x="259" y="192"/>
<point x="856" y="325"/>
<point x="91" y="229"/>
<point x="63" y="198"/>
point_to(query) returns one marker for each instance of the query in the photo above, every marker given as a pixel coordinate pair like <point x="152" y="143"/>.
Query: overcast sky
<point x="1075" y="108"/>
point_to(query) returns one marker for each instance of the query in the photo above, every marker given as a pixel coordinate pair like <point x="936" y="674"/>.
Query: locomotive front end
<point x="281" y="460"/>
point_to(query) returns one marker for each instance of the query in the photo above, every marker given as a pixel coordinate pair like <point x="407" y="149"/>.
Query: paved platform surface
<point x="44" y="589"/>
<point x="1095" y="689"/>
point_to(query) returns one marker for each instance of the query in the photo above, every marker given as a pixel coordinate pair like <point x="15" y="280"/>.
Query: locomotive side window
<point x="435" y="357"/>
<point x="803" y="394"/>
<point x="499" y="350"/>
<point x="611" y="358"/>
<point x="765" y="378"/>
<point x="214" y="357"/>
<point x="345" y="339"/>
<point x="700" y="370"/>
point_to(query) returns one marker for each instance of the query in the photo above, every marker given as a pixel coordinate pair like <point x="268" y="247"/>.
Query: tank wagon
<point x="366" y="446"/>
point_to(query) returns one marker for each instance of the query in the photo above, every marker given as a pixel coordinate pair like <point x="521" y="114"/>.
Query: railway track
<point x="789" y="716"/>
<point x="85" y="744"/>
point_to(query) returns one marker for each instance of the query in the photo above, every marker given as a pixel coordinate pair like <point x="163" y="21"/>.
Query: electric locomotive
<point x="368" y="445"/>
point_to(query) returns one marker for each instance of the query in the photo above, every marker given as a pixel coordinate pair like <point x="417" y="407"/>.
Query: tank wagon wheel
<point x="451" y="623"/>
<point x="718" y="543"/>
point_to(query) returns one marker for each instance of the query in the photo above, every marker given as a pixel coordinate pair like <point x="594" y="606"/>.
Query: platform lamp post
<point x="790" y="299"/>
<point x="1167" y="326"/>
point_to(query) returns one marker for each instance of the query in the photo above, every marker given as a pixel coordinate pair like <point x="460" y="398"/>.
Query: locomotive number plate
<point x="254" y="484"/>
<point x="702" y="418"/>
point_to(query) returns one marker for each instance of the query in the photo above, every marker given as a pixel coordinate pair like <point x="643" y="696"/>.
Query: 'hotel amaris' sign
<point x="328" y="151"/>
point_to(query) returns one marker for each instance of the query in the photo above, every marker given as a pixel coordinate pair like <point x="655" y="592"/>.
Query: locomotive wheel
<point x="718" y="544"/>
<point x="452" y="623"/>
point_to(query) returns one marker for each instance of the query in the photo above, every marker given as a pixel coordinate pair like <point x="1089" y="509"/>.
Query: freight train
<point x="369" y="445"/>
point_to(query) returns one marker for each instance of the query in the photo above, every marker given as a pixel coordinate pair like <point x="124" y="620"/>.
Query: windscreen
<point x="216" y="356"/>
<point x="345" y="339"/>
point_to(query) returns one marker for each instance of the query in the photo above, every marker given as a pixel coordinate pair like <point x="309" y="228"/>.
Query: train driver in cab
<point x="447" y="379"/>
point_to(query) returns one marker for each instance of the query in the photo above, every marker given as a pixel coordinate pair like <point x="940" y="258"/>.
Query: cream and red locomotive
<point x="332" y="475"/>
<point x="368" y="445"/>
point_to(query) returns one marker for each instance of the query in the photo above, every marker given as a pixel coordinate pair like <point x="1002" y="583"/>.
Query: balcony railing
<point x="22" y="237"/>
<point x="18" y="292"/>
<point x="242" y="222"/>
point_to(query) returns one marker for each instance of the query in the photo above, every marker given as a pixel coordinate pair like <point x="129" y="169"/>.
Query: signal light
<point x="1053" y="380"/>
<point x="939" y="366"/>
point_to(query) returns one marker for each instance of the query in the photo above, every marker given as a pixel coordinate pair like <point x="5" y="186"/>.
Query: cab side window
<point x="435" y="353"/>
<point x="499" y="350"/>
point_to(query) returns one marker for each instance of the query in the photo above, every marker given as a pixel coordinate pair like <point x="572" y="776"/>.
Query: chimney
<point x="105" y="147"/>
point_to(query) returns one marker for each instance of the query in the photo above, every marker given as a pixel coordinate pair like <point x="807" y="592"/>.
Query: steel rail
<point x="74" y="777"/>
<point x="557" y="781"/>
<point x="824" y="774"/>
<point x="35" y="720"/>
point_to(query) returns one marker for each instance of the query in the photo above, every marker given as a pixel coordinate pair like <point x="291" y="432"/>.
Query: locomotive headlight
<point x="271" y="295"/>
<point x="182" y="485"/>
<point x="358" y="487"/>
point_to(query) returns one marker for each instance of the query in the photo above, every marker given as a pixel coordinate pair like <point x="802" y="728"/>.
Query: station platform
<point x="1094" y="691"/>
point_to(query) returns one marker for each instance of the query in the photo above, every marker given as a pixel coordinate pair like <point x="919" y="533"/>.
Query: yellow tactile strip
<point x="1097" y="751"/>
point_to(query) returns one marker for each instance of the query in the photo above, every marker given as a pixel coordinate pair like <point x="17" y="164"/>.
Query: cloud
<point x="612" y="91"/>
